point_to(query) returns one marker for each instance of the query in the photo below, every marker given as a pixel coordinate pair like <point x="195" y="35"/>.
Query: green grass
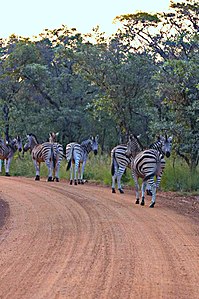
<point x="176" y="177"/>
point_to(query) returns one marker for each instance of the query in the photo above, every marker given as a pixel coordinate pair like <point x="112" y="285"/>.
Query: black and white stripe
<point x="41" y="153"/>
<point x="7" y="152"/>
<point x="77" y="154"/>
<point x="58" y="154"/>
<point x="162" y="145"/>
<point x="121" y="159"/>
<point x="146" y="165"/>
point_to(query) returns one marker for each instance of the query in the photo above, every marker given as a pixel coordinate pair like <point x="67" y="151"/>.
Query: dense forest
<point x="144" y="79"/>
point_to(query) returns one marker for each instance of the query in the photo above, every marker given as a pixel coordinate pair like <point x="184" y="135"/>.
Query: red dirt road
<point x="60" y="241"/>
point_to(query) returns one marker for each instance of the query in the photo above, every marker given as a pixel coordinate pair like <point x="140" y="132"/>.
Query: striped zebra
<point x="7" y="152"/>
<point x="58" y="154"/>
<point x="77" y="154"/>
<point x="163" y="145"/>
<point x="41" y="153"/>
<point x="146" y="165"/>
<point x="120" y="160"/>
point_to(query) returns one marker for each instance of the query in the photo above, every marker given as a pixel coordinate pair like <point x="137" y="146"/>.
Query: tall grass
<point x="176" y="177"/>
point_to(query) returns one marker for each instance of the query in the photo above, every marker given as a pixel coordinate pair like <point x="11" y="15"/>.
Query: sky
<point x="29" y="18"/>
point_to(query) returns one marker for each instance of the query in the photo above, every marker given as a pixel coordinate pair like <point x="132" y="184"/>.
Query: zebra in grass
<point x="146" y="165"/>
<point x="77" y="154"/>
<point x="7" y="152"/>
<point x="120" y="160"/>
<point x="58" y="153"/>
<point x="162" y="145"/>
<point x="41" y="153"/>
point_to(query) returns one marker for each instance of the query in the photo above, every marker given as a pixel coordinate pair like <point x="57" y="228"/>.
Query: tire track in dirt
<point x="67" y="241"/>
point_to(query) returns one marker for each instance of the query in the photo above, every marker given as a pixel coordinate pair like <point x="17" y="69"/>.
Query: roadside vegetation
<point x="144" y="79"/>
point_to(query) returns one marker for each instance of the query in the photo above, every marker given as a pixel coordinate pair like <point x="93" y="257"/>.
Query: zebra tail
<point x="53" y="157"/>
<point x="112" y="165"/>
<point x="69" y="165"/>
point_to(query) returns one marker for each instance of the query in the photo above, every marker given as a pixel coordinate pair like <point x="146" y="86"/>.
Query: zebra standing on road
<point x="7" y="152"/>
<point x="78" y="154"/>
<point x="146" y="165"/>
<point x="58" y="153"/>
<point x="41" y="153"/>
<point x="120" y="160"/>
<point x="162" y="145"/>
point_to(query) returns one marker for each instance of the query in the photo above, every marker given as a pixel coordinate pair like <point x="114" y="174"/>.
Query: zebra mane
<point x="86" y="142"/>
<point x="138" y="141"/>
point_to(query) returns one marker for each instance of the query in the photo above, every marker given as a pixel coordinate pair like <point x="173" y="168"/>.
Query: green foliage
<point x="143" y="79"/>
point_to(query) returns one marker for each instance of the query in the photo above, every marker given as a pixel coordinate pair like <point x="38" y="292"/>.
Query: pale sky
<point x="28" y="18"/>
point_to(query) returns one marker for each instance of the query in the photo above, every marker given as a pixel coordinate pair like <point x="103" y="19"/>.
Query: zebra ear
<point x="138" y="136"/>
<point x="97" y="137"/>
<point x="161" y="138"/>
<point x="56" y="134"/>
<point x="170" y="138"/>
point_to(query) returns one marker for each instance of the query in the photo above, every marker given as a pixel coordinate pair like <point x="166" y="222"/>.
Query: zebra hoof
<point x="148" y="192"/>
<point x="75" y="183"/>
<point x="37" y="178"/>
<point x="71" y="182"/>
<point x="121" y="191"/>
<point x="142" y="203"/>
<point x="137" y="201"/>
<point x="79" y="181"/>
<point x="56" y="180"/>
<point x="7" y="174"/>
<point x="152" y="205"/>
<point x="82" y="182"/>
<point x="113" y="190"/>
<point x="50" y="179"/>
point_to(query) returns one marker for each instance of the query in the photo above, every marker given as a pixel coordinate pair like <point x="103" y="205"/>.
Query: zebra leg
<point x="49" y="164"/>
<point x="75" y="171"/>
<point x="71" y="173"/>
<point x="57" y="167"/>
<point x="144" y="184"/>
<point x="0" y="165"/>
<point x="114" y="177"/>
<point x="119" y="176"/>
<point x="37" y="168"/>
<point x="148" y="190"/>
<point x="82" y="172"/>
<point x="153" y="189"/>
<point x="79" y="175"/>
<point x="158" y="179"/>
<point x="136" y="188"/>
<point x="7" y="166"/>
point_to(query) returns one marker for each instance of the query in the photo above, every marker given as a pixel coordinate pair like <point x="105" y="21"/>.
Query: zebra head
<point x="16" y="143"/>
<point x="53" y="137"/>
<point x="166" y="145"/>
<point x="32" y="141"/>
<point x="94" y="144"/>
<point x="133" y="146"/>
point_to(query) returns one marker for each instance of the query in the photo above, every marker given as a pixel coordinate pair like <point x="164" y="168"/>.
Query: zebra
<point x="163" y="145"/>
<point x="58" y="153"/>
<point x="120" y="160"/>
<point x="41" y="153"/>
<point x="146" y="165"/>
<point x="77" y="154"/>
<point x="7" y="151"/>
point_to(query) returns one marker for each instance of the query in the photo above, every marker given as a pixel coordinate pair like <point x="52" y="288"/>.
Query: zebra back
<point x="148" y="163"/>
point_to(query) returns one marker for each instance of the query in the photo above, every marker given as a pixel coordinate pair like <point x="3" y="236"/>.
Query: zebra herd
<point x="144" y="163"/>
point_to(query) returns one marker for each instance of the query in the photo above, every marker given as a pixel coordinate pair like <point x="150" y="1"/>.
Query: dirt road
<point x="60" y="241"/>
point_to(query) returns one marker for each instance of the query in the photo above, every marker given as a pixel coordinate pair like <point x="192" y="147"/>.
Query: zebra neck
<point x="86" y="149"/>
